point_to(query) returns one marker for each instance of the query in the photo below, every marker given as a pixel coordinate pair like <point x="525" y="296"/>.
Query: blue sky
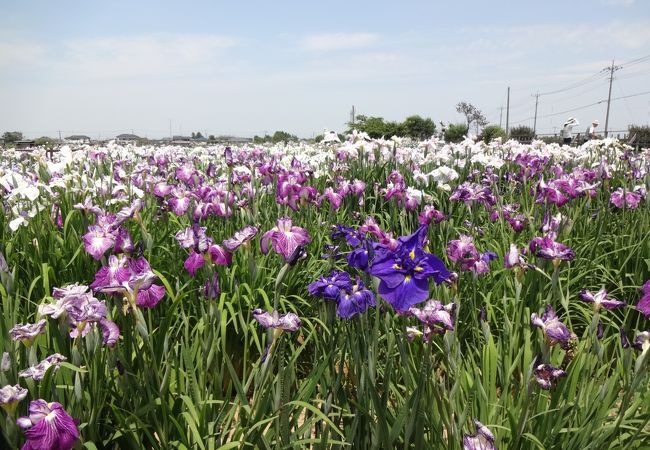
<point x="248" y="67"/>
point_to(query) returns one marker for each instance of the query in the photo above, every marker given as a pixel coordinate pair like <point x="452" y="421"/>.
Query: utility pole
<point x="352" y="116"/>
<point x="508" y="112"/>
<point x="59" y="136"/>
<point x="611" y="69"/>
<point x="535" y="122"/>
<point x="501" y="117"/>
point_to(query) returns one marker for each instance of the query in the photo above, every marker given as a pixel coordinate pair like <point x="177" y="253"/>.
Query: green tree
<point x="283" y="136"/>
<point x="472" y="114"/>
<point x="492" y="132"/>
<point x="44" y="141"/>
<point x="418" y="128"/>
<point x="12" y="136"/>
<point x="522" y="133"/>
<point x="455" y="132"/>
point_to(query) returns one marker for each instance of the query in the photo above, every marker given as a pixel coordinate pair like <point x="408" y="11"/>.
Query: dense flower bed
<point x="424" y="295"/>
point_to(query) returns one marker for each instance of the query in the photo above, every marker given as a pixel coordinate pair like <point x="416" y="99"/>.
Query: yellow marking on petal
<point x="407" y="278"/>
<point x="397" y="266"/>
<point x="412" y="254"/>
<point x="418" y="269"/>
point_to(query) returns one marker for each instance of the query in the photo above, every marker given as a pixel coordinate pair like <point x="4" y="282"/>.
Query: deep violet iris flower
<point x="330" y="287"/>
<point x="548" y="248"/>
<point x="284" y="238"/>
<point x="546" y="375"/>
<point x="404" y="273"/>
<point x="240" y="238"/>
<point x="482" y="440"/>
<point x="600" y="300"/>
<point x="554" y="330"/>
<point x="351" y="299"/>
<point x="48" y="427"/>
<point x="644" y="302"/>
<point x="355" y="300"/>
<point x="284" y="322"/>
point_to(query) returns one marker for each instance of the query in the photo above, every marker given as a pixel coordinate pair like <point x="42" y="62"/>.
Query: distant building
<point x="125" y="137"/>
<point x="25" y="143"/>
<point x="77" y="139"/>
<point x="181" y="140"/>
<point x="233" y="140"/>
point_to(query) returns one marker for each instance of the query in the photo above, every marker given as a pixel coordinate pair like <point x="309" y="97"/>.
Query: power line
<point x="583" y="107"/>
<point x="636" y="61"/>
<point x="575" y="85"/>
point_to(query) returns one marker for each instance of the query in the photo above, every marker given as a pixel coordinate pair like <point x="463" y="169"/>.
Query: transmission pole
<point x="535" y="122"/>
<point x="611" y="69"/>
<point x="501" y="117"/>
<point x="508" y="112"/>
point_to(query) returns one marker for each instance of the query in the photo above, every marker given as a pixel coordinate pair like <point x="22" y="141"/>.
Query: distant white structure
<point x="77" y="139"/>
<point x="330" y="136"/>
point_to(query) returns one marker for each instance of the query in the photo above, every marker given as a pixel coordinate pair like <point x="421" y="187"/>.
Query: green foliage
<point x="12" y="136"/>
<point x="414" y="127"/>
<point x="492" y="132"/>
<point x="522" y="133"/>
<point x="418" y="128"/>
<point x="44" y="141"/>
<point x="278" y="136"/>
<point x="642" y="133"/>
<point x="190" y="373"/>
<point x="455" y="132"/>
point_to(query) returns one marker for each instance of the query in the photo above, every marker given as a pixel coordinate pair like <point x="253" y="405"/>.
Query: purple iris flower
<point x="28" y="332"/>
<point x="547" y="248"/>
<point x="97" y="241"/>
<point x="360" y="257"/>
<point x="600" y="300"/>
<point x="430" y="215"/>
<point x="625" y="342"/>
<point x="194" y="237"/>
<point x="240" y="238"/>
<point x="140" y="281"/>
<point x="48" y="427"/>
<point x="10" y="396"/>
<point x="285" y="322"/>
<point x="211" y="288"/>
<point x="554" y="330"/>
<point x="110" y="332"/>
<point x="219" y="256"/>
<point x="546" y="375"/>
<point x="37" y="372"/>
<point x="436" y="317"/>
<point x="644" y="303"/>
<point x="194" y="262"/>
<point x="404" y="273"/>
<point x="622" y="199"/>
<point x="123" y="241"/>
<point x="329" y="287"/>
<point x="284" y="238"/>
<point x="482" y="440"/>
<point x="513" y="258"/>
<point x="642" y="341"/>
<point x="351" y="236"/>
<point x="355" y="300"/>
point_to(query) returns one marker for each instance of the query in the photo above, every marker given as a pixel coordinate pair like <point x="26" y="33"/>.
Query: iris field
<point x="371" y="294"/>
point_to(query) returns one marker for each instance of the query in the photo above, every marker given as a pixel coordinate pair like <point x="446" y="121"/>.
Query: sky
<point x="253" y="67"/>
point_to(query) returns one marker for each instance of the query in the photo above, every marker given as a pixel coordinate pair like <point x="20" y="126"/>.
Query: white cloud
<point x="338" y="41"/>
<point x="619" y="2"/>
<point x="143" y="55"/>
<point x="20" y="53"/>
